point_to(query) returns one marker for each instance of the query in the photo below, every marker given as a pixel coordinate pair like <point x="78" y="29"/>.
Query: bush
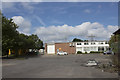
<point x="79" y="52"/>
<point x="96" y="51"/>
<point x="85" y="52"/>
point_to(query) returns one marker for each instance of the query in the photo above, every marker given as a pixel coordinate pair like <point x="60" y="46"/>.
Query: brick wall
<point x="45" y="48"/>
<point x="65" y="47"/>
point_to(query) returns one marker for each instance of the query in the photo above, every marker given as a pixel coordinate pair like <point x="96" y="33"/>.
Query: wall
<point x="91" y="47"/>
<point x="65" y="47"/>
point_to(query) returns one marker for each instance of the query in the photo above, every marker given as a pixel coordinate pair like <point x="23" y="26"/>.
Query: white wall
<point x="90" y="47"/>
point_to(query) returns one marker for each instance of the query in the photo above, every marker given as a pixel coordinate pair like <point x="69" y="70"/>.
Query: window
<point x="106" y="42"/>
<point x="70" y="44"/>
<point x="73" y="44"/>
<point x="100" y="48"/>
<point x="93" y="43"/>
<point x="86" y="48"/>
<point x="101" y="42"/>
<point x="85" y="43"/>
<point x="78" y="43"/>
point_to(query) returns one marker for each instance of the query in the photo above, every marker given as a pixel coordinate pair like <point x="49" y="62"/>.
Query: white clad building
<point x="92" y="46"/>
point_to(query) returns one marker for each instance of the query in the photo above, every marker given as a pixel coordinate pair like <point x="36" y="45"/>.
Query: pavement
<point x="54" y="66"/>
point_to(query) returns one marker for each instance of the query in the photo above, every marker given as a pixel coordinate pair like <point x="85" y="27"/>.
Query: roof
<point x="72" y="42"/>
<point x="117" y="32"/>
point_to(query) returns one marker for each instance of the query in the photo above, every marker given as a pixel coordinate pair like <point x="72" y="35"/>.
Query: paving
<point x="54" y="66"/>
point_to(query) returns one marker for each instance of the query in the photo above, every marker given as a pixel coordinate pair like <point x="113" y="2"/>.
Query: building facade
<point x="74" y="47"/>
<point x="92" y="46"/>
<point x="53" y="48"/>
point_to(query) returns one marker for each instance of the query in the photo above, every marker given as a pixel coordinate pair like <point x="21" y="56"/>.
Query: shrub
<point x="96" y="51"/>
<point x="79" y="52"/>
<point x="85" y="52"/>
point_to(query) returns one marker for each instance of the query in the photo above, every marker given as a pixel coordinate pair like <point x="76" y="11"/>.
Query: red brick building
<point x="53" y="48"/>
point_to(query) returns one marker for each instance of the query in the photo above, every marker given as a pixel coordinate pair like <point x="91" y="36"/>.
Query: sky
<point x="63" y="21"/>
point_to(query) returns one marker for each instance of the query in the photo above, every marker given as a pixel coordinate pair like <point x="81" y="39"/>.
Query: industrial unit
<point x="74" y="47"/>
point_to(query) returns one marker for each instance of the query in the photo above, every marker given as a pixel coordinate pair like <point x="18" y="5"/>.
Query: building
<point x="92" y="46"/>
<point x="74" y="47"/>
<point x="53" y="48"/>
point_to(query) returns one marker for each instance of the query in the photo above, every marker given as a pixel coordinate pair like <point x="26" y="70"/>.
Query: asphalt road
<point x="53" y="66"/>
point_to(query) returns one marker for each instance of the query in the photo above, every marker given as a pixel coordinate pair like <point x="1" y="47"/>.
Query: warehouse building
<point x="74" y="47"/>
<point x="53" y="48"/>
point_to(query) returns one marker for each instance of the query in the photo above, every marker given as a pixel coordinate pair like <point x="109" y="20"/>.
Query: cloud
<point x="60" y="0"/>
<point x="60" y="33"/>
<point x="26" y="6"/>
<point x="24" y="25"/>
<point x="87" y="11"/>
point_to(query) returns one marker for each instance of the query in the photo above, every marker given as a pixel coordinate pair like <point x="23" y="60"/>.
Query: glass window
<point x="70" y="44"/>
<point x="86" y="48"/>
<point x="78" y="43"/>
<point x="92" y="43"/>
<point x="100" y="48"/>
<point x="101" y="42"/>
<point x="85" y="43"/>
<point x="106" y="42"/>
<point x="73" y="44"/>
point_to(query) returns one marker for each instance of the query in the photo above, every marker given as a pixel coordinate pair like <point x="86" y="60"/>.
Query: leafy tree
<point x="9" y="34"/>
<point x="85" y="40"/>
<point x="19" y="43"/>
<point x="37" y="42"/>
<point x="77" y="40"/>
<point x="114" y="43"/>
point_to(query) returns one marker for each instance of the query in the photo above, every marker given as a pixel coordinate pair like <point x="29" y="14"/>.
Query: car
<point x="91" y="62"/>
<point x="62" y="53"/>
<point x="108" y="52"/>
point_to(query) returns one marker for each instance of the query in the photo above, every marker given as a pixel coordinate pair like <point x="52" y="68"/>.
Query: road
<point x="53" y="66"/>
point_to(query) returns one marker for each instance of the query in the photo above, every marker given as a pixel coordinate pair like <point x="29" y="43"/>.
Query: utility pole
<point x="91" y="37"/>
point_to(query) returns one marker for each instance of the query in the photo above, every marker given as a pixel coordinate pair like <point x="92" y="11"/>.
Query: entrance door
<point x="51" y="49"/>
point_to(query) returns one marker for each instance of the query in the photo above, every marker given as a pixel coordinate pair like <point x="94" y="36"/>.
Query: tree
<point x="9" y="34"/>
<point x="37" y="42"/>
<point x="114" y="43"/>
<point x="19" y="43"/>
<point x="77" y="40"/>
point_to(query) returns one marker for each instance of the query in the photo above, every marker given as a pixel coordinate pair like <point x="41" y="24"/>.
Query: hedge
<point x="79" y="52"/>
<point x="96" y="51"/>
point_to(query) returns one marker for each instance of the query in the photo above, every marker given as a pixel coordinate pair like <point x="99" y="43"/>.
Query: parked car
<point x="91" y="62"/>
<point x="108" y="52"/>
<point x="62" y="53"/>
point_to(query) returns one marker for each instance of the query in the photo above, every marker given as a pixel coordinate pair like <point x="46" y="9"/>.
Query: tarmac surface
<point x="54" y="66"/>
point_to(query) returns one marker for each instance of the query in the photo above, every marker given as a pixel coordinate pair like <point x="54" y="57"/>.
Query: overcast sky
<point x="60" y="21"/>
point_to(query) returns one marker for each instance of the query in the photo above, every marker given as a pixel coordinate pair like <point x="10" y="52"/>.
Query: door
<point x="51" y="49"/>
